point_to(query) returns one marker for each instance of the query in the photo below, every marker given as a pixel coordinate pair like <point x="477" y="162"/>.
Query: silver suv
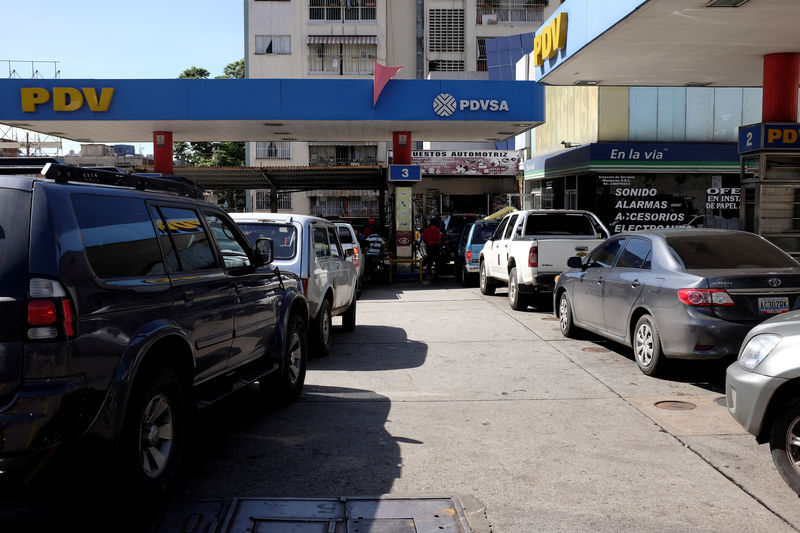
<point x="310" y="247"/>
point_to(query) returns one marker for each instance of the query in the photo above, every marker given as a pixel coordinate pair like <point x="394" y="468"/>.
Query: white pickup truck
<point x="530" y="247"/>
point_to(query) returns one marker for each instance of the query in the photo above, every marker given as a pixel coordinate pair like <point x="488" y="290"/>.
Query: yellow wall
<point x="571" y="116"/>
<point x="613" y="113"/>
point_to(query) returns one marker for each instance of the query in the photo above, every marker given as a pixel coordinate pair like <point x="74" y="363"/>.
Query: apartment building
<point x="344" y="38"/>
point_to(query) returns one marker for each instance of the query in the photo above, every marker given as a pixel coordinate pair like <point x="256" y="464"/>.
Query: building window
<point x="261" y="200"/>
<point x="331" y="156"/>
<point x="510" y="11"/>
<point x="341" y="10"/>
<point x="446" y="30"/>
<point x="481" y="65"/>
<point x="446" y="65"/>
<point x="273" y="44"/>
<point x="273" y="150"/>
<point x="342" y="58"/>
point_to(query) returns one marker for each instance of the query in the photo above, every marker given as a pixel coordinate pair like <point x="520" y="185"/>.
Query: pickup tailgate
<point x="553" y="253"/>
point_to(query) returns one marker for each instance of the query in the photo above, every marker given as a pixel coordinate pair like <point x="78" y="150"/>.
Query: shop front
<point x="640" y="186"/>
<point x="465" y="181"/>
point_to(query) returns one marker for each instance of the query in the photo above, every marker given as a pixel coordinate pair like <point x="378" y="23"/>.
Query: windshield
<point x="483" y="233"/>
<point x="284" y="236"/>
<point x="736" y="251"/>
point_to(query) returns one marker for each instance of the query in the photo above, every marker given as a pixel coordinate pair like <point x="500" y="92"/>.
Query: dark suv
<point x="452" y="225"/>
<point x="124" y="307"/>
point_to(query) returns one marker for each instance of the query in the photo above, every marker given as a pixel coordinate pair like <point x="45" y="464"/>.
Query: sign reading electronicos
<point x="66" y="98"/>
<point x="445" y="105"/>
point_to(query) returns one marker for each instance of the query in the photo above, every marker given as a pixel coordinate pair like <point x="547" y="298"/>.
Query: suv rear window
<point x="15" y="215"/>
<point x="740" y="250"/>
<point x="483" y="233"/>
<point x="118" y="236"/>
<point x="284" y="236"/>
<point x="345" y="237"/>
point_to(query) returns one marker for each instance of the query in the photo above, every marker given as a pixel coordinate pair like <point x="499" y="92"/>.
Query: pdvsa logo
<point x="66" y="98"/>
<point x="445" y="105"/>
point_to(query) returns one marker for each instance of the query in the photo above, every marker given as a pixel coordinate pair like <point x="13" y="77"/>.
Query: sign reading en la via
<point x="66" y="98"/>
<point x="550" y="40"/>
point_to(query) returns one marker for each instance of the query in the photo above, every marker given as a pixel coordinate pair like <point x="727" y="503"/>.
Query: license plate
<point x="770" y="306"/>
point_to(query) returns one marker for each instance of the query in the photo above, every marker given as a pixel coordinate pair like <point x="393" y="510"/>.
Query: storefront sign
<point x="66" y="98"/>
<point x="550" y="40"/>
<point x="467" y="163"/>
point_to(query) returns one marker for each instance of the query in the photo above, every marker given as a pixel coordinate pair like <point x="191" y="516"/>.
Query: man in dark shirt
<point x="432" y="238"/>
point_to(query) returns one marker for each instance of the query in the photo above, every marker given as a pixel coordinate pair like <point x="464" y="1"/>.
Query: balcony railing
<point x="321" y="161"/>
<point x="341" y="10"/>
<point x="529" y="12"/>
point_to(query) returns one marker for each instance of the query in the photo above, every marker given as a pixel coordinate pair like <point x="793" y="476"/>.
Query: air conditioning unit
<point x="489" y="19"/>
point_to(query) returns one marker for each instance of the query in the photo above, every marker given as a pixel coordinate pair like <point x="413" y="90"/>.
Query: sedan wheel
<point x="647" y="346"/>
<point x="568" y="328"/>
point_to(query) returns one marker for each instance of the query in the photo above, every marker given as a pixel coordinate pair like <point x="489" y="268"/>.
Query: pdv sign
<point x="66" y="98"/>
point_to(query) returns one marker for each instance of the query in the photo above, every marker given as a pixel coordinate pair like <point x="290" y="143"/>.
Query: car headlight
<point x="757" y="348"/>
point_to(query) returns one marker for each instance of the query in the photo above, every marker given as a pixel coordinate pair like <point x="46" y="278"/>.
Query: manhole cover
<point x="674" y="405"/>
<point x="596" y="349"/>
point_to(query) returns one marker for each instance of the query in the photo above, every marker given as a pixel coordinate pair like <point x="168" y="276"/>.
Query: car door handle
<point x="635" y="283"/>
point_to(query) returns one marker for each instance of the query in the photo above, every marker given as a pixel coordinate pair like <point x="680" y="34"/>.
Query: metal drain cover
<point x="326" y="515"/>
<point x="596" y="349"/>
<point x="675" y="405"/>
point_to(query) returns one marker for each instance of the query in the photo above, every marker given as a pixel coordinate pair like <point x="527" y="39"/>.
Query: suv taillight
<point x="49" y="310"/>
<point x="533" y="256"/>
<point x="305" y="286"/>
<point x="705" y="297"/>
<point x="469" y="256"/>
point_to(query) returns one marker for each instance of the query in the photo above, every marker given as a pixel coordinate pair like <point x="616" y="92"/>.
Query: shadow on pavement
<point x="372" y="348"/>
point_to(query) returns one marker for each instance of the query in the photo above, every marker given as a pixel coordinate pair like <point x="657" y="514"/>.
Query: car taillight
<point x="355" y="256"/>
<point x="705" y="297"/>
<point x="49" y="310"/>
<point x="469" y="256"/>
<point x="305" y="286"/>
<point x="533" y="256"/>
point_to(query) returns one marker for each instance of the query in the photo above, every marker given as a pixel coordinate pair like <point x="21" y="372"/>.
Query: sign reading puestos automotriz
<point x="467" y="162"/>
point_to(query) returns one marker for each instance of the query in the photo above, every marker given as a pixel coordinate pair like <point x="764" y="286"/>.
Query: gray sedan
<point x="762" y="389"/>
<point x="677" y="293"/>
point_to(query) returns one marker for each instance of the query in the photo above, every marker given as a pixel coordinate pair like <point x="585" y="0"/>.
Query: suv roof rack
<point x="25" y="165"/>
<point x="171" y="184"/>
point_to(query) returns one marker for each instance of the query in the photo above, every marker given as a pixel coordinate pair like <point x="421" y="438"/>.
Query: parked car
<point x="353" y="251"/>
<point x="677" y="293"/>
<point x="126" y="306"/>
<point x="530" y="247"/>
<point x="310" y="247"/>
<point x="762" y="389"/>
<point x="451" y="226"/>
<point x="473" y="237"/>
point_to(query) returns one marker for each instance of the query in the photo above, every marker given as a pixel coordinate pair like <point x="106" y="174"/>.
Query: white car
<point x="349" y="238"/>
<point x="310" y="247"/>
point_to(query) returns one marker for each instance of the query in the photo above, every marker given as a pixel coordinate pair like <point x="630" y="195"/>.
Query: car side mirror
<point x="265" y="250"/>
<point x="574" y="262"/>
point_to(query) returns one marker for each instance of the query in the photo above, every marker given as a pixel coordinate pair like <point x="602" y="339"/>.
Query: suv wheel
<point x="486" y="287"/>
<point x="154" y="430"/>
<point x="349" y="317"/>
<point x="321" y="333"/>
<point x="285" y="386"/>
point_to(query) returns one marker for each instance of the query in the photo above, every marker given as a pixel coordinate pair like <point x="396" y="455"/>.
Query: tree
<point x="216" y="154"/>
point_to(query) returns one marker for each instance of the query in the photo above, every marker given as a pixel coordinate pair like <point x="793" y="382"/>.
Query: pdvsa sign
<point x="550" y="40"/>
<point x="66" y="98"/>
<point x="445" y="105"/>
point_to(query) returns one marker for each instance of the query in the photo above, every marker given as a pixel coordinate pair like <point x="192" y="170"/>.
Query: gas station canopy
<point x="671" y="42"/>
<point x="338" y="110"/>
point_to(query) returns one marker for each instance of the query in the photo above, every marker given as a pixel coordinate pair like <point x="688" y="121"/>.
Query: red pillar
<point x="401" y="147"/>
<point x="162" y="152"/>
<point x="781" y="80"/>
